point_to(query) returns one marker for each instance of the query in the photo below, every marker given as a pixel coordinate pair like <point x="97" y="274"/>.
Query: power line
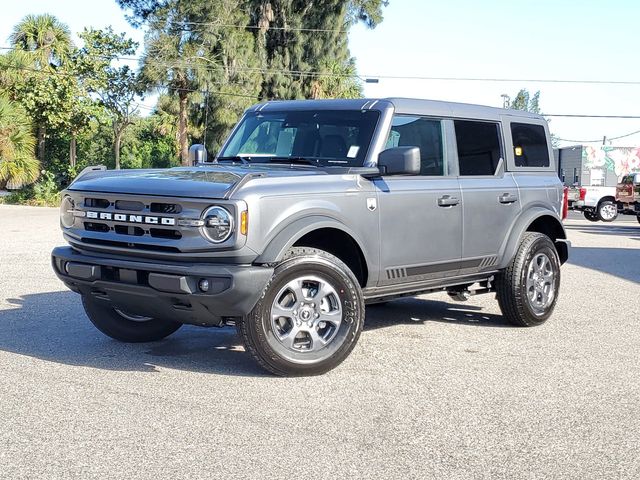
<point x="258" y="27"/>
<point x="600" y="139"/>
<point x="290" y="72"/>
<point x="257" y="97"/>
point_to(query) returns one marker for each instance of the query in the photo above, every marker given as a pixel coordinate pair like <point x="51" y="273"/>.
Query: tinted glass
<point x="478" y="147"/>
<point x="529" y="145"/>
<point x="425" y="133"/>
<point x="327" y="138"/>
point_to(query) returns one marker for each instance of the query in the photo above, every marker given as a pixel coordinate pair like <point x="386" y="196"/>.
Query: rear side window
<point x="529" y="145"/>
<point x="478" y="147"/>
<point x="425" y="133"/>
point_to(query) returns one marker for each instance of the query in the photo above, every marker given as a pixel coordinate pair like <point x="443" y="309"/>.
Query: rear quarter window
<point x="529" y="145"/>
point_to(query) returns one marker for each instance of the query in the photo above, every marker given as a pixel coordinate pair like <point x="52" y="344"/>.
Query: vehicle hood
<point x="206" y="181"/>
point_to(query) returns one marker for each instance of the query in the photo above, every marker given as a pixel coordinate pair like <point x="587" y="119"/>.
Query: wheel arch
<point x="541" y="221"/>
<point x="326" y="234"/>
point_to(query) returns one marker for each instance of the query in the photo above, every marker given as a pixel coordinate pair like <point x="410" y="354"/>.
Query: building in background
<point x="599" y="166"/>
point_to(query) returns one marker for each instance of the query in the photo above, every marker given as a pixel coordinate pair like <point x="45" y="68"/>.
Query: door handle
<point x="448" y="201"/>
<point x="508" y="198"/>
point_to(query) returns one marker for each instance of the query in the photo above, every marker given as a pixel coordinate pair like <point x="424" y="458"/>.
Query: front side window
<point x="322" y="137"/>
<point x="529" y="145"/>
<point x="424" y="133"/>
<point x="478" y="147"/>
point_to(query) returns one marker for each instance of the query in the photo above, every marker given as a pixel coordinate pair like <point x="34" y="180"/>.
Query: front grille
<point x="130" y="245"/>
<point x="143" y="224"/>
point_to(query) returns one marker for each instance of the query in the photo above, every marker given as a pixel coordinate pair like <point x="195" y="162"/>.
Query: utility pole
<point x="506" y="100"/>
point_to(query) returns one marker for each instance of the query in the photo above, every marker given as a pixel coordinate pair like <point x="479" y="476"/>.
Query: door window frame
<point x="500" y="168"/>
<point x="506" y="121"/>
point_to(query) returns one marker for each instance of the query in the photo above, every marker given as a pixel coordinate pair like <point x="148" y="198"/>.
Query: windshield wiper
<point x="292" y="160"/>
<point x="236" y="158"/>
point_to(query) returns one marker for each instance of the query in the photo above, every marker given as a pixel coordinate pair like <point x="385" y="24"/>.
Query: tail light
<point x="583" y="193"/>
<point x="565" y="202"/>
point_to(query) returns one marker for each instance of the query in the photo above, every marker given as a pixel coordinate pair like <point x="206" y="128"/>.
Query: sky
<point x="516" y="39"/>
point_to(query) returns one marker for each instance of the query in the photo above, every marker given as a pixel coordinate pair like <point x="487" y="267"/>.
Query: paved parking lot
<point x="434" y="389"/>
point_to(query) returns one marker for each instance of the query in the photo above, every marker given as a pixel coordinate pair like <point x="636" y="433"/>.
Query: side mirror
<point x="197" y="154"/>
<point x="399" y="161"/>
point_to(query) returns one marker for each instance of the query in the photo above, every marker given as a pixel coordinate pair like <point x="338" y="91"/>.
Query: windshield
<point x="321" y="137"/>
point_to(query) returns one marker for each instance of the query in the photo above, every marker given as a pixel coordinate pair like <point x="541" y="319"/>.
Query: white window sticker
<point x="353" y="151"/>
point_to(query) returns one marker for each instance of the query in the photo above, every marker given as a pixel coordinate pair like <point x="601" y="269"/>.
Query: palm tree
<point x="48" y="39"/>
<point x="48" y="43"/>
<point x="17" y="163"/>
<point x="177" y="63"/>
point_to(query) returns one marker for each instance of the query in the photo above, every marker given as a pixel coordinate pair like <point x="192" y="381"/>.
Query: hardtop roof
<point x="413" y="106"/>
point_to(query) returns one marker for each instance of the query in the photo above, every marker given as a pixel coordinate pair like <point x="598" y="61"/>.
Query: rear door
<point x="490" y="197"/>
<point x="420" y="216"/>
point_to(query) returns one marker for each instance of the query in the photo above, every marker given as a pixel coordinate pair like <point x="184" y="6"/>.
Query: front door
<point x="420" y="216"/>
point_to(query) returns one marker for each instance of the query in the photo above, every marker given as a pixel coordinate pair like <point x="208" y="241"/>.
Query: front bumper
<point x="168" y="290"/>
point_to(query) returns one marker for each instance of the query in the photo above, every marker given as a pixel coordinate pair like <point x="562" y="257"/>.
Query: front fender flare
<point x="291" y="233"/>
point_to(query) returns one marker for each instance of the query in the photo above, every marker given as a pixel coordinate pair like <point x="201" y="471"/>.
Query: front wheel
<point x="607" y="211"/>
<point x="591" y="216"/>
<point x="309" y="316"/>
<point x="527" y="289"/>
<point x="124" y="326"/>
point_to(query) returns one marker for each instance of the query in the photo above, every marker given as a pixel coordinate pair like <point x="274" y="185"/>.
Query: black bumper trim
<point x="164" y="291"/>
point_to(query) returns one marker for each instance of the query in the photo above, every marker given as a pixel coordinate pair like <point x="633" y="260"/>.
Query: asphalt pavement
<point x="434" y="389"/>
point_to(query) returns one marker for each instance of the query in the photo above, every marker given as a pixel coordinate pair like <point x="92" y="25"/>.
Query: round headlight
<point x="66" y="212"/>
<point x="218" y="224"/>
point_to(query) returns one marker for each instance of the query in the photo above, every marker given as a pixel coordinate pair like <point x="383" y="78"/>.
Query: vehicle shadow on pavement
<point x="53" y="327"/>
<point x="614" y="261"/>
<point x="410" y="311"/>
<point x="617" y="229"/>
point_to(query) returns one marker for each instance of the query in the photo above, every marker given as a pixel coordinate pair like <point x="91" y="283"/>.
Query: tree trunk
<point x="72" y="150"/>
<point x="182" y="128"/>
<point x="42" y="132"/>
<point x="116" y="148"/>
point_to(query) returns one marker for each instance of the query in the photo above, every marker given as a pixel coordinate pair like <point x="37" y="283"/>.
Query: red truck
<point x="628" y="195"/>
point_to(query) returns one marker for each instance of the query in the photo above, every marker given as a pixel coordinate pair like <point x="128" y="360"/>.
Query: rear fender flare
<point x="512" y="240"/>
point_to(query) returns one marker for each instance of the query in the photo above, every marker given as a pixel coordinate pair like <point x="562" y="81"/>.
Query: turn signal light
<point x="244" y="222"/>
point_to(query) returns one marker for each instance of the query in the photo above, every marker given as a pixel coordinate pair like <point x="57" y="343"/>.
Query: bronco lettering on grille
<point x="128" y="218"/>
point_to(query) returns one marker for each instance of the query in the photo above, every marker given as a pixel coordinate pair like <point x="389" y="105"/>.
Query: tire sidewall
<point x="281" y="359"/>
<point x="601" y="206"/>
<point x="539" y="245"/>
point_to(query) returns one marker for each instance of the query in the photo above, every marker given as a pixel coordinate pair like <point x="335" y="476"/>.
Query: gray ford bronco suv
<point x="313" y="209"/>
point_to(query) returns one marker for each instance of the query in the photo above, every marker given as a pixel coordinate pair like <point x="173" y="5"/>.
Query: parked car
<point x="595" y="203"/>
<point x="628" y="195"/>
<point x="313" y="209"/>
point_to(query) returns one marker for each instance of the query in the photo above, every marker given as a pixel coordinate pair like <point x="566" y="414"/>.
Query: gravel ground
<point x="434" y="389"/>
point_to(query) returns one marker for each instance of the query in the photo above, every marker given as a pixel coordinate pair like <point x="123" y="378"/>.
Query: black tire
<point x="262" y="332"/>
<point x="512" y="283"/>
<point x="117" y="326"/>
<point x="638" y="218"/>
<point x="605" y="210"/>
<point x="592" y="217"/>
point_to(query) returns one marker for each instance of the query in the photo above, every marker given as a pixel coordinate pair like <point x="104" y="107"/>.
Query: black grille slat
<point x="128" y="245"/>
<point x="165" y="233"/>
<point x="129" y="230"/>
<point x="130" y="205"/>
<point x="96" y="203"/>
<point x="96" y="227"/>
<point x="165" y="208"/>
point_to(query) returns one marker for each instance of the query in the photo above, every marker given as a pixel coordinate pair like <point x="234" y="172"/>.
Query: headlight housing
<point x="67" y="207"/>
<point x="218" y="224"/>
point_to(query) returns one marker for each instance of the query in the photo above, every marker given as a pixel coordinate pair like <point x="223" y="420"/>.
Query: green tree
<point x="116" y="86"/>
<point x="48" y="44"/>
<point x="339" y="80"/>
<point x="524" y="101"/>
<point x="18" y="166"/>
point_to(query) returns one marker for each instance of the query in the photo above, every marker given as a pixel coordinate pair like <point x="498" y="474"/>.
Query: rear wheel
<point x="309" y="316"/>
<point x="126" y="327"/>
<point x="607" y="211"/>
<point x="591" y="216"/>
<point x="527" y="289"/>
